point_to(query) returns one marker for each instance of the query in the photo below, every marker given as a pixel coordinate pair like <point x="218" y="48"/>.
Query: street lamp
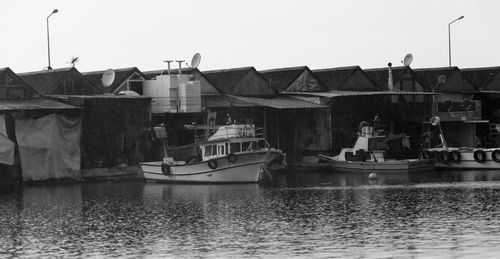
<point x="48" y="41"/>
<point x="449" y="38"/>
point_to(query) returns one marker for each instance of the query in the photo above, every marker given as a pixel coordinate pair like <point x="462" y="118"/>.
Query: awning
<point x="281" y="102"/>
<point x="357" y="93"/>
<point x="33" y="104"/>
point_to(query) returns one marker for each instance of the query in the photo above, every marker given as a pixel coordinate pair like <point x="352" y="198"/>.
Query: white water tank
<point x="167" y="96"/>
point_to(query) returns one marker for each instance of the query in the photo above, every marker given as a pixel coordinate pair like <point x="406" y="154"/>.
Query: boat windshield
<point x="224" y="148"/>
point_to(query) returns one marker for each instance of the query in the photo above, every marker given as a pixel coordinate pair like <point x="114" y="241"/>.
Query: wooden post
<point x="278" y="127"/>
<point x="265" y="124"/>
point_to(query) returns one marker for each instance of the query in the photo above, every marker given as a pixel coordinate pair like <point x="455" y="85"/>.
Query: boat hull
<point x="246" y="169"/>
<point x="407" y="165"/>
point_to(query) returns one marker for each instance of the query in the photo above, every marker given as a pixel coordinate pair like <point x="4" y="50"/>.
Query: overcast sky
<point x="261" y="33"/>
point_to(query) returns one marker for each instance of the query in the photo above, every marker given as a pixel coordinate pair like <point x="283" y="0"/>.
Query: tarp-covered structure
<point x="115" y="129"/>
<point x="49" y="147"/>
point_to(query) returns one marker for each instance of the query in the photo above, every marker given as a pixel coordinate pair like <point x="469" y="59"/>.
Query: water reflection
<point x="302" y="178"/>
<point x="437" y="214"/>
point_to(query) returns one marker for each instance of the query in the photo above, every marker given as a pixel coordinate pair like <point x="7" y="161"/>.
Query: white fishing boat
<point x="367" y="155"/>
<point x="232" y="155"/>
<point x="447" y="157"/>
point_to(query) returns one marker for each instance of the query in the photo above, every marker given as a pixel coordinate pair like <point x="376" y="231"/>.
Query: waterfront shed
<point x="39" y="137"/>
<point x="456" y="105"/>
<point x="487" y="81"/>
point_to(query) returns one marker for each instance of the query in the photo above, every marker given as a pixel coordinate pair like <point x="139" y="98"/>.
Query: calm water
<point x="437" y="214"/>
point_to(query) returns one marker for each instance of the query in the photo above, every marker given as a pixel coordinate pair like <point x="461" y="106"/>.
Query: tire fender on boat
<point x="495" y="155"/>
<point x="165" y="168"/>
<point x="212" y="163"/>
<point x="479" y="156"/>
<point x="444" y="156"/>
<point x="231" y="158"/>
<point x="435" y="155"/>
<point x="428" y="155"/>
<point x="455" y="156"/>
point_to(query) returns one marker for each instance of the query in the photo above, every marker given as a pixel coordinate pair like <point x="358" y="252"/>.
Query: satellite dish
<point x="408" y="59"/>
<point x="108" y="77"/>
<point x="195" y="61"/>
<point x="435" y="120"/>
<point x="441" y="79"/>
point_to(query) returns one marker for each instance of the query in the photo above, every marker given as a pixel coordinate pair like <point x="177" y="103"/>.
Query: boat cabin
<point x="232" y="139"/>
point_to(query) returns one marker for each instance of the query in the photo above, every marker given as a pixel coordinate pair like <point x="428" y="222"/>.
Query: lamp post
<point x="449" y="38"/>
<point x="48" y="40"/>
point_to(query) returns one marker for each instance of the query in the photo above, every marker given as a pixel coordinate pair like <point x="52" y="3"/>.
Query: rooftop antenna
<point x="390" y="84"/>
<point x="108" y="77"/>
<point x="407" y="60"/>
<point x="168" y="69"/>
<point x="73" y="60"/>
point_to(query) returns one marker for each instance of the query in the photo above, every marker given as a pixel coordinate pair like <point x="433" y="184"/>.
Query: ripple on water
<point x="135" y="219"/>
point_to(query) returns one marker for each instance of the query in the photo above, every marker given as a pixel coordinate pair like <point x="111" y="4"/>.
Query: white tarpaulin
<point x="7" y="147"/>
<point x="49" y="147"/>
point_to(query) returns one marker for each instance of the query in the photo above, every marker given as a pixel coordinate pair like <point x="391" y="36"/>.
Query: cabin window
<point x="246" y="146"/>
<point x="235" y="147"/>
<point x="221" y="150"/>
<point x="254" y="145"/>
<point x="214" y="150"/>
<point x="208" y="150"/>
<point x="227" y="148"/>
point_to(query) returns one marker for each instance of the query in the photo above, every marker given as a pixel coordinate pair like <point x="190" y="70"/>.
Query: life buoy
<point x="212" y="163"/>
<point x="479" y="156"/>
<point x="165" y="168"/>
<point x="455" y="156"/>
<point x="232" y="158"/>
<point x="444" y="156"/>
<point x="495" y="155"/>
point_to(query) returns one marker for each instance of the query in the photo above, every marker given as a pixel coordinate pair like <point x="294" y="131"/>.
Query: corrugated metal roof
<point x="33" y="104"/>
<point x="219" y="101"/>
<point x="100" y="96"/>
<point x="277" y="102"/>
<point x="356" y="93"/>
<point x="281" y="102"/>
